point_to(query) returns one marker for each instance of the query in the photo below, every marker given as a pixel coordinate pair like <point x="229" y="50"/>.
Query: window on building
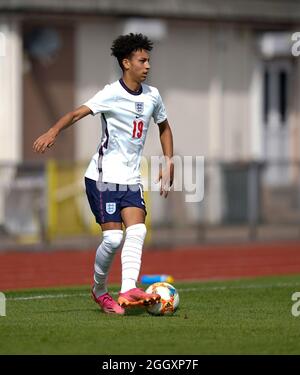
<point x="282" y="97"/>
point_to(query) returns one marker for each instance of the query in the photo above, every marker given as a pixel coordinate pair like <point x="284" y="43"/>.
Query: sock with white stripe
<point x="131" y="255"/>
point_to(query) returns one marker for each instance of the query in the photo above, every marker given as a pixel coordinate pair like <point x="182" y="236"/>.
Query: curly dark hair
<point x="125" y="45"/>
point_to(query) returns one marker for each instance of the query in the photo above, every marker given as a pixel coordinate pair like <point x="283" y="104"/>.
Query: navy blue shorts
<point x="107" y="200"/>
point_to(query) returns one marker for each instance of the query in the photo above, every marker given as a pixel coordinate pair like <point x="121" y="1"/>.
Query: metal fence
<point x="43" y="203"/>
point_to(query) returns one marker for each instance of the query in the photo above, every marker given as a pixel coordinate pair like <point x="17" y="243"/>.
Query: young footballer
<point x="112" y="179"/>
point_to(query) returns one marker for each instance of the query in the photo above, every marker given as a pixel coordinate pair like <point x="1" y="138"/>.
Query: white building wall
<point x="10" y="104"/>
<point x="94" y="68"/>
<point x="237" y="80"/>
<point x="10" y="91"/>
<point x="294" y="115"/>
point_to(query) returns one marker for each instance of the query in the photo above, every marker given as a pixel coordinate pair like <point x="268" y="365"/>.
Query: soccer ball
<point x="169" y="299"/>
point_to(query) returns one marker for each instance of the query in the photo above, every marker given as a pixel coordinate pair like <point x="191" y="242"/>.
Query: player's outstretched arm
<point x="166" y="176"/>
<point x="47" y="139"/>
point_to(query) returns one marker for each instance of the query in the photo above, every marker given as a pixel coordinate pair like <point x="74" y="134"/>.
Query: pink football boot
<point x="108" y="304"/>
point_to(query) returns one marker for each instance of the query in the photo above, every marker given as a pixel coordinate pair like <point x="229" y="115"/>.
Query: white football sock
<point x="131" y="255"/>
<point x="104" y="256"/>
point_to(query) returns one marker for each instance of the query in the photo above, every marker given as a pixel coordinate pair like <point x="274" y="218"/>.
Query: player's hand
<point x="166" y="177"/>
<point x="45" y="141"/>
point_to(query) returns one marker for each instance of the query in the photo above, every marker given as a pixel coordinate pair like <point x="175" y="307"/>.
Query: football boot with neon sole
<point x="137" y="297"/>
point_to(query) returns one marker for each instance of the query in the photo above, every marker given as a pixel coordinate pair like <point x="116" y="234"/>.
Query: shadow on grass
<point x="61" y="311"/>
<point x="135" y="311"/>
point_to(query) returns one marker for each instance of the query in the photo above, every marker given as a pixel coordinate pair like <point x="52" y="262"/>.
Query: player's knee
<point x="137" y="230"/>
<point x="113" y="238"/>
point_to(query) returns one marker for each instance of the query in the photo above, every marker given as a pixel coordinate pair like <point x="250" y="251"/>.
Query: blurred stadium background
<point x="230" y="83"/>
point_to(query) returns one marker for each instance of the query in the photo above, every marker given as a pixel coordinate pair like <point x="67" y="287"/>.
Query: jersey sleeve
<point x="159" y="113"/>
<point x="100" y="102"/>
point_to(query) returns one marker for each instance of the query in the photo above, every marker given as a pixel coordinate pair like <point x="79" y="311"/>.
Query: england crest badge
<point x="139" y="107"/>
<point x="110" y="208"/>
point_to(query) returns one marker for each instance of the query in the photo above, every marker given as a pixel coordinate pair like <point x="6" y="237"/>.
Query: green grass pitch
<point x="248" y="316"/>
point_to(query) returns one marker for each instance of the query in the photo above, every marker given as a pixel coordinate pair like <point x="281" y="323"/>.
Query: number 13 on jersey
<point x="137" y="129"/>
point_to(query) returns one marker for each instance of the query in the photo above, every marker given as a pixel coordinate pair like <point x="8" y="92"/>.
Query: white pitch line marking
<point x="205" y="289"/>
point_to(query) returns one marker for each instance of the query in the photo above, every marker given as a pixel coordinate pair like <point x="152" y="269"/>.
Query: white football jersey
<point x="125" y="118"/>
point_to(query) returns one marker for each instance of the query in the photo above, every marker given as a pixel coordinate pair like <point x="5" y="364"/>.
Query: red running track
<point x="19" y="270"/>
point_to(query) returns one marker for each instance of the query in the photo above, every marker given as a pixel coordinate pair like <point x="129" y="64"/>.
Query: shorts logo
<point x="139" y="107"/>
<point x="110" y="208"/>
